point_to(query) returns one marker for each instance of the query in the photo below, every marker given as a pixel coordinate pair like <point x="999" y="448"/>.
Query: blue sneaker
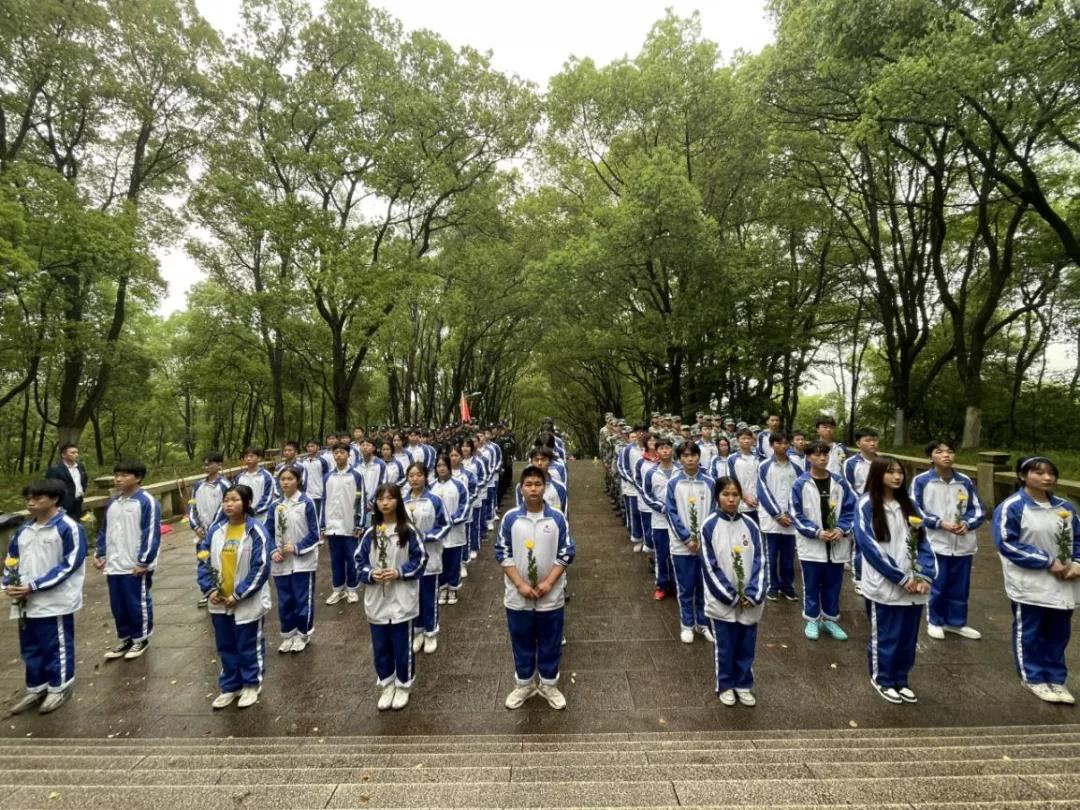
<point x="812" y="632"/>
<point x="834" y="630"/>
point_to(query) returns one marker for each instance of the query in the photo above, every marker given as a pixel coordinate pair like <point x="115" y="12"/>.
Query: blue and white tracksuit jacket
<point x="204" y="508"/>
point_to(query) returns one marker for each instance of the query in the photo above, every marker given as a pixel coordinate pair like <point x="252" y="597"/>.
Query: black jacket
<point x="70" y="504"/>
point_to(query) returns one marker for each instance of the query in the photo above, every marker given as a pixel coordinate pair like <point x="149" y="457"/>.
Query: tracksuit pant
<point x="131" y="604"/>
<point x="450" y="578"/>
<point x="689" y="587"/>
<point x="890" y="650"/>
<point x="296" y="603"/>
<point x="241" y="650"/>
<point x="428" y="623"/>
<point x="47" y="646"/>
<point x="781" y="548"/>
<point x="821" y="589"/>
<point x="662" y="548"/>
<point x="472" y="531"/>
<point x="343" y="570"/>
<point x="734" y="654"/>
<point x="536" y="638"/>
<point x="948" y="605"/>
<point x="1040" y="636"/>
<point x="391" y="646"/>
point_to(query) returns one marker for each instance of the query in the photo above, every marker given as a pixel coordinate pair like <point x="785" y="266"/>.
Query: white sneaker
<point x="746" y="697"/>
<point x="53" y="701"/>
<point x="706" y="632"/>
<point x="516" y="699"/>
<point x="27" y="702"/>
<point x="964" y="632"/>
<point x="431" y="644"/>
<point x="1043" y="691"/>
<point x="727" y="697"/>
<point x="553" y="696"/>
<point x="935" y="631"/>
<point x="352" y="597"/>
<point x="386" y="698"/>
<point x="335" y="597"/>
<point x="464" y="571"/>
<point x="418" y="642"/>
<point x="400" y="700"/>
<point x="907" y="695"/>
<point x="473" y="555"/>
<point x="1063" y="694"/>
<point x="299" y="643"/>
<point x="638" y="547"/>
<point x="249" y="696"/>
<point x="451" y="598"/>
<point x="858" y="588"/>
<point x="442" y="597"/>
<point x="223" y="700"/>
<point x="286" y="645"/>
<point x="686" y="635"/>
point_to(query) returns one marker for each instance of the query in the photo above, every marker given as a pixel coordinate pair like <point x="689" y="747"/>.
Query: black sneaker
<point x="120" y="650"/>
<point x="137" y="649"/>
<point x="770" y="595"/>
<point x="790" y="596"/>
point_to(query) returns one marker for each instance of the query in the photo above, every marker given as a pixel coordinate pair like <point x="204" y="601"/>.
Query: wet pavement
<point x="624" y="668"/>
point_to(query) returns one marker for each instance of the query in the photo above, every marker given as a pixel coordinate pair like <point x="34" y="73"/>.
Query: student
<point x="825" y="426"/>
<point x="455" y="499"/>
<point x="723" y="452"/>
<point x="342" y="524"/>
<point x="292" y="527"/>
<point x="688" y="501"/>
<point x="472" y="490"/>
<point x="772" y="425"/>
<point x="776" y="477"/>
<point x="647" y="461"/>
<point x="428" y="516"/>
<point x="654" y="495"/>
<point x="797" y="453"/>
<point x="391" y="560"/>
<point x="234" y="569"/>
<point x="707" y="447"/>
<point x="534" y="548"/>
<point x="315" y="469"/>
<point x="823" y="510"/>
<point x="1039" y="575"/>
<point x="856" y="469"/>
<point x="418" y="452"/>
<point x="258" y="479"/>
<point x="290" y="459"/>
<point x="744" y="466"/>
<point x="327" y="452"/>
<point x="477" y="466"/>
<point x="394" y="472"/>
<point x="734" y="591"/>
<point x="896" y="583"/>
<point x="400" y="456"/>
<point x="127" y="550"/>
<point x="43" y="576"/>
<point x="204" y="508"/>
<point x="626" y="462"/>
<point x="952" y="511"/>
<point x="373" y="471"/>
<point x="554" y="492"/>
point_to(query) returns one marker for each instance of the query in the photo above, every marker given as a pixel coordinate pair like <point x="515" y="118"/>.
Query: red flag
<point x="465" y="415"/>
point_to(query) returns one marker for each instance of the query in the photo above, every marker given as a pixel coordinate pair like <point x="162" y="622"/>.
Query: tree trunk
<point x="972" y="427"/>
<point x="900" y="429"/>
<point x="99" y="447"/>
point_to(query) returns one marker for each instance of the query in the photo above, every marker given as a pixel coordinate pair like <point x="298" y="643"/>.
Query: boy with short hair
<point x="654" y="493"/>
<point x="776" y="476"/>
<point x="342" y="524"/>
<point x="797" y="452"/>
<point x="204" y="508"/>
<point x="952" y="512"/>
<point x="127" y="550"/>
<point x="290" y="459"/>
<point x="534" y="549"/>
<point x="259" y="480"/>
<point x="856" y="470"/>
<point x="743" y="465"/>
<point x="825" y="426"/>
<point x="687" y="502"/>
<point x="772" y="425"/>
<point x="43" y="575"/>
<point x="315" y="466"/>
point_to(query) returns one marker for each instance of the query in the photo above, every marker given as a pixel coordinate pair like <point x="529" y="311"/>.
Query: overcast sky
<point x="532" y="40"/>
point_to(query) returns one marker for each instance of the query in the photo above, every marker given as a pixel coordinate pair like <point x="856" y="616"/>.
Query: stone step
<point x="915" y="790"/>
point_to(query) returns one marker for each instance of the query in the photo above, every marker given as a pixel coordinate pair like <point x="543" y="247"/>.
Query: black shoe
<point x="771" y="596"/>
<point x="120" y="650"/>
<point x="790" y="596"/>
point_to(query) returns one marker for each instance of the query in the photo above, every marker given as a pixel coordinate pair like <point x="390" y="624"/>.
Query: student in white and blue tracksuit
<point x="455" y="499"/>
<point x="258" y="479"/>
<point x="373" y="470"/>
<point x="797" y="453"/>
<point x="627" y="460"/>
<point x="1037" y="535"/>
<point x="315" y="469"/>
<point x="127" y="550"/>
<point x="856" y="469"/>
<point x="492" y="454"/>
<point x="43" y="575"/>
<point x="342" y="524"/>
<point x="734" y="572"/>
<point x="826" y="427"/>
<point x="896" y="583"/>
<point x="534" y="548"/>
<point x="292" y="524"/>
<point x="394" y="472"/>
<point x="952" y="510"/>
<point x="554" y="492"/>
<point x="472" y="489"/>
<point x="391" y="559"/>
<point x="654" y="495"/>
<point x="689" y="500"/>
<point x="428" y="515"/>
<point x="234" y="574"/>
<point x="647" y="461"/>
<point x="204" y="508"/>
<point x="744" y="465"/>
<point x="476" y="465"/>
<point x="823" y="509"/>
<point x="776" y="477"/>
<point x="290" y="457"/>
<point x="763" y="441"/>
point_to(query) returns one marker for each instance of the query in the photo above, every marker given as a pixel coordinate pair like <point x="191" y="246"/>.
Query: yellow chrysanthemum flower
<point x="832" y="504"/>
<point x="12" y="562"/>
<point x="529" y="545"/>
<point x="203" y="555"/>
<point x="691" y="501"/>
<point x="914" y="521"/>
<point x="962" y="496"/>
<point x="1063" y="514"/>
<point x="737" y="549"/>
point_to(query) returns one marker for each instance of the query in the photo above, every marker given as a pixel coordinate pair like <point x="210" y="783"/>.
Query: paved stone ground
<point x="624" y="669"/>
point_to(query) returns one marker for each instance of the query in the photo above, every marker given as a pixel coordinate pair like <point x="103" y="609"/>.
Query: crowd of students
<point x="723" y="522"/>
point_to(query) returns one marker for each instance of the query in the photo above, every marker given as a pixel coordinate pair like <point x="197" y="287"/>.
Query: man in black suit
<point x="69" y="472"/>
